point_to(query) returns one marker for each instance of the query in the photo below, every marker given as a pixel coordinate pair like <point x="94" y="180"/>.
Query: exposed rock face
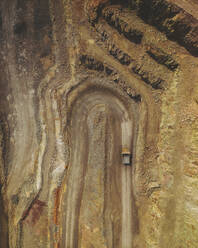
<point x="84" y="83"/>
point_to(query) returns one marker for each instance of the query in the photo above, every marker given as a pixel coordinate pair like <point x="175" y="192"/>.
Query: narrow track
<point x="99" y="192"/>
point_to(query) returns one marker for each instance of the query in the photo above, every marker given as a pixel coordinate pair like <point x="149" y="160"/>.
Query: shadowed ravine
<point x="99" y="193"/>
<point x="3" y="226"/>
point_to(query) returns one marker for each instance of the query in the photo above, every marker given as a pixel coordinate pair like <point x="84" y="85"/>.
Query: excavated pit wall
<point x="51" y="52"/>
